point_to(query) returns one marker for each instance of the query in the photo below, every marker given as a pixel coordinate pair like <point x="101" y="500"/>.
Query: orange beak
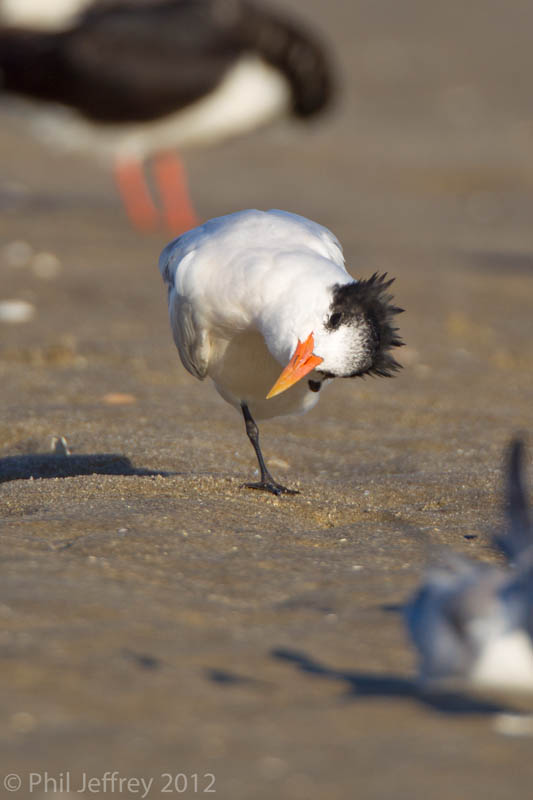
<point x="302" y="362"/>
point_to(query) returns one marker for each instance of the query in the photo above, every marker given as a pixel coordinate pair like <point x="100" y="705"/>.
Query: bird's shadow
<point x="224" y="677"/>
<point x="366" y="684"/>
<point x="52" y="465"/>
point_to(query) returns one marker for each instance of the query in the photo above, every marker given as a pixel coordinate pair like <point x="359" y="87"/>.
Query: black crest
<point x="368" y="301"/>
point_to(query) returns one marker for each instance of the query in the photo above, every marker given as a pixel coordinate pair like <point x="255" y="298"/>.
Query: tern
<point x="131" y="80"/>
<point x="473" y="622"/>
<point x="254" y="291"/>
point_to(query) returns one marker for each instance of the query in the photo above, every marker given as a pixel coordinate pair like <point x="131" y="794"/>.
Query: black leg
<point x="267" y="482"/>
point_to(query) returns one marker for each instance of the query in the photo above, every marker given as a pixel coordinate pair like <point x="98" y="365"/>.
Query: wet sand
<point x="156" y="616"/>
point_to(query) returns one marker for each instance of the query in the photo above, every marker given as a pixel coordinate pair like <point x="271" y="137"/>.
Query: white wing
<point x="189" y="336"/>
<point x="320" y="239"/>
<point x="190" y="339"/>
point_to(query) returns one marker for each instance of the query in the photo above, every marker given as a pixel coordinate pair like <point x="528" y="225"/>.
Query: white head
<point x="353" y="339"/>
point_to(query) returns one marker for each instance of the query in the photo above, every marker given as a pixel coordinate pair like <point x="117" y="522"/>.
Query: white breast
<point x="506" y="662"/>
<point x="52" y="15"/>
<point x="243" y="371"/>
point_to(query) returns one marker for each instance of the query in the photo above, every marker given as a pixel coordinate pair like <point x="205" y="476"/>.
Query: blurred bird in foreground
<point x="472" y="621"/>
<point x="254" y="291"/>
<point x="132" y="79"/>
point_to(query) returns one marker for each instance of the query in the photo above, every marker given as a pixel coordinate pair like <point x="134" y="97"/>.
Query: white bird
<point x="473" y="622"/>
<point x="254" y="290"/>
<point x="130" y="80"/>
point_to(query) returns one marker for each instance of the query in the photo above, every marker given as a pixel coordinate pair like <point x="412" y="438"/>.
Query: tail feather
<point x="519" y="534"/>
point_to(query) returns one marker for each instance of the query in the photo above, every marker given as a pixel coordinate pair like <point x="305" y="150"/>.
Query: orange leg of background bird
<point x="171" y="182"/>
<point x="136" y="197"/>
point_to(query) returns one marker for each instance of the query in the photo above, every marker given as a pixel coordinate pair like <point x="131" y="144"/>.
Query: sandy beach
<point x="157" y="619"/>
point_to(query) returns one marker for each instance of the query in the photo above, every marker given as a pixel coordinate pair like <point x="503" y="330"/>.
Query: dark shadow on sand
<point x="51" y="465"/>
<point x="226" y="678"/>
<point x="143" y="661"/>
<point x="365" y="684"/>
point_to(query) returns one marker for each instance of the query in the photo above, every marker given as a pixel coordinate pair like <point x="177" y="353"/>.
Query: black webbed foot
<point x="271" y="486"/>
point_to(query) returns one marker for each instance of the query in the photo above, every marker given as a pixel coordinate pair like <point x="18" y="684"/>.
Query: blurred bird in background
<point x="133" y="79"/>
<point x="472" y="621"/>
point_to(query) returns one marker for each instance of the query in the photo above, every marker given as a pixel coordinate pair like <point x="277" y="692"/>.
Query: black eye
<point x="335" y="320"/>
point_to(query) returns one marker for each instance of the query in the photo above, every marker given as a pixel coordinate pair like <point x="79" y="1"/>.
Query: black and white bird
<point x="472" y="622"/>
<point x="255" y="291"/>
<point x="135" y="79"/>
